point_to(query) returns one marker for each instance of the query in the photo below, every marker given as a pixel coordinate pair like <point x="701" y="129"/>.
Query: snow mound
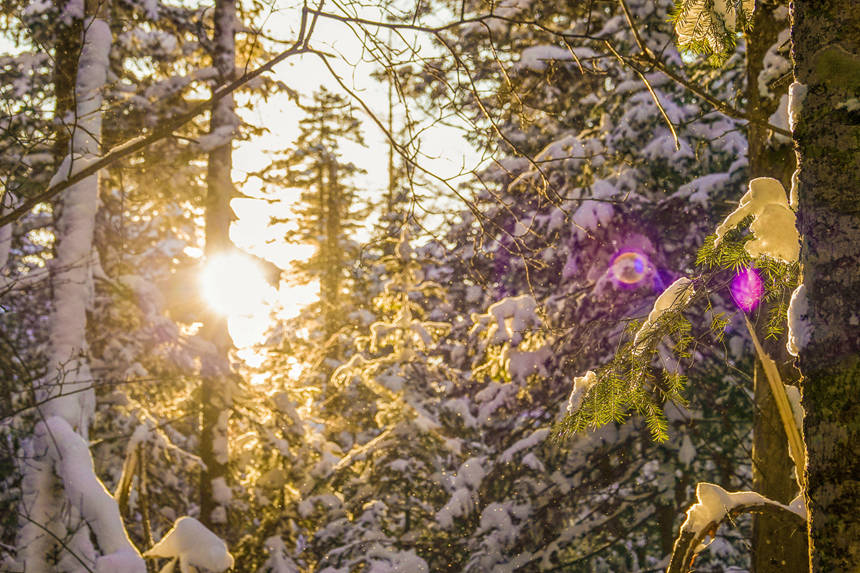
<point x="193" y="544"/>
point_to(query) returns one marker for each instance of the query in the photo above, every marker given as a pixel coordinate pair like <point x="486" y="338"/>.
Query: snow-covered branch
<point x="714" y="505"/>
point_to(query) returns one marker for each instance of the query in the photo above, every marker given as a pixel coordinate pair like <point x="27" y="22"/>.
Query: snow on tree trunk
<point x="217" y="383"/>
<point x="827" y="138"/>
<point x="771" y="466"/>
<point x="59" y="447"/>
<point x="69" y="381"/>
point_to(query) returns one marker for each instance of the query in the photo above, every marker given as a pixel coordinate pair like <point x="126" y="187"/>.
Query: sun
<point x="234" y="286"/>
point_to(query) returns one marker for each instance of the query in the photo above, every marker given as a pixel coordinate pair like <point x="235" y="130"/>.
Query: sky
<point x="445" y="152"/>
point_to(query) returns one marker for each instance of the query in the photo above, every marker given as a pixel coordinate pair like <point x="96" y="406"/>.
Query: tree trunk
<point x="825" y="36"/>
<point x="217" y="379"/>
<point x="334" y="260"/>
<point x="776" y="546"/>
<point x="67" y="388"/>
<point x="66" y="50"/>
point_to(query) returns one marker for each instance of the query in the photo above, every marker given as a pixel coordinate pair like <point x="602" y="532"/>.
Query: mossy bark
<point x="825" y="36"/>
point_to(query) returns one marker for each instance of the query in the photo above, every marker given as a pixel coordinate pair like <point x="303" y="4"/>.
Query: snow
<point x="69" y="380"/>
<point x="510" y="318"/>
<point x="662" y="146"/>
<point x="797" y="411"/>
<point x="72" y="10"/>
<point x="526" y="443"/>
<point x="799" y="328"/>
<point x="589" y="216"/>
<point x="471" y="473"/>
<point x="564" y="147"/>
<point x="796" y="96"/>
<point x="465" y="484"/>
<point x="522" y="364"/>
<point x="69" y="453"/>
<point x="700" y="189"/>
<point x="679" y="292"/>
<point x="792" y="194"/>
<point x="221" y="492"/>
<point x="496" y="516"/>
<point x="773" y="223"/>
<point x="530" y="460"/>
<point x="37" y="7"/>
<point x="774" y="64"/>
<point x="581" y="386"/>
<point x="221" y="135"/>
<point x="714" y="503"/>
<point x="687" y="451"/>
<point x="279" y="560"/>
<point x="460" y="407"/>
<point x="38" y="504"/>
<point x="151" y="8"/>
<point x="70" y="166"/>
<point x="191" y="543"/>
<point x="459" y="505"/>
<point x="124" y="560"/>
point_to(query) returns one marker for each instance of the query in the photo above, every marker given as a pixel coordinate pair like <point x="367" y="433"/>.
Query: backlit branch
<point x="300" y="46"/>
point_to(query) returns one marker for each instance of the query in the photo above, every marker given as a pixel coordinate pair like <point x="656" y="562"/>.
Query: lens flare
<point x="747" y="289"/>
<point x="629" y="268"/>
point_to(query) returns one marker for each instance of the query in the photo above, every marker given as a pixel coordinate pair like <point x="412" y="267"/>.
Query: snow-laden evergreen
<point x="418" y="418"/>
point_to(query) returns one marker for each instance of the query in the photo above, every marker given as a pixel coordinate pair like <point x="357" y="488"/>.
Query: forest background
<point x="457" y="395"/>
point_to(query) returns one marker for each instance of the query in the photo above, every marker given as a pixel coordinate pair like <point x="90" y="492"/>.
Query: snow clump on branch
<point x="714" y="503"/>
<point x="679" y="292"/>
<point x="192" y="544"/>
<point x="581" y="386"/>
<point x="773" y="225"/>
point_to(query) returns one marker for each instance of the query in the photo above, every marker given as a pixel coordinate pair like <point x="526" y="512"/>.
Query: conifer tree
<point x="329" y="206"/>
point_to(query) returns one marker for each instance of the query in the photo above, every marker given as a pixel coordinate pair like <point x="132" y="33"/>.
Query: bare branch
<point x="300" y="46"/>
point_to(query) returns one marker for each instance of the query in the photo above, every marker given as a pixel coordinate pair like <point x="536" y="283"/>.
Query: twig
<point x="300" y="46"/>
<point x="653" y="96"/>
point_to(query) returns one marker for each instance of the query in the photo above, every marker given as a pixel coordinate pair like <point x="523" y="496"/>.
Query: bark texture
<point x="777" y="544"/>
<point x="825" y="36"/>
<point x="217" y="379"/>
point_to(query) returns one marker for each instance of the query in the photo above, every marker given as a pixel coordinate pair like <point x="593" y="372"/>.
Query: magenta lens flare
<point x="629" y="268"/>
<point x="747" y="289"/>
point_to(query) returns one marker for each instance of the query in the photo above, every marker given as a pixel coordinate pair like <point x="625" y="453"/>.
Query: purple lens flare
<point x="747" y="289"/>
<point x="629" y="268"/>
